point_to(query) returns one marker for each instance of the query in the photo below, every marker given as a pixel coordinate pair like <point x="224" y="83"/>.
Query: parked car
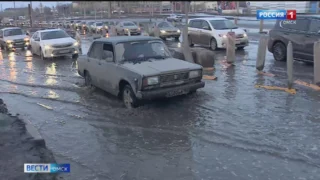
<point x="167" y="30"/>
<point x="174" y="18"/>
<point x="124" y="27"/>
<point x="13" y="37"/>
<point x="53" y="24"/>
<point x="212" y="32"/>
<point x="53" y="43"/>
<point x="89" y="25"/>
<point x="138" y="68"/>
<point x="302" y="33"/>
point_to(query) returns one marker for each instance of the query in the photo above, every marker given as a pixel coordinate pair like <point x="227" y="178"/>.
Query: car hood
<point x="131" y="27"/>
<point x="58" y="41"/>
<point x="163" y="66"/>
<point x="99" y="26"/>
<point x="15" y="37"/>
<point x="169" y="29"/>
<point x="225" y="31"/>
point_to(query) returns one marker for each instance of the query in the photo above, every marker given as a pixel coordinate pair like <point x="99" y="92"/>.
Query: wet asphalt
<point x="228" y="130"/>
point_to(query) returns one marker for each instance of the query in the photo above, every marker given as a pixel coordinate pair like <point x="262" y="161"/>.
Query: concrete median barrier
<point x="201" y="56"/>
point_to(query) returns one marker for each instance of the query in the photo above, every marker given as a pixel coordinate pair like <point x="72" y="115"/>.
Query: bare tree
<point x="109" y="9"/>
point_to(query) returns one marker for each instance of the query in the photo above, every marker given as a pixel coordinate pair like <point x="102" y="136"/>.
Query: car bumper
<point x="170" y="35"/>
<point x="160" y="93"/>
<point x="60" y="52"/>
<point x="18" y="45"/>
<point x="241" y="42"/>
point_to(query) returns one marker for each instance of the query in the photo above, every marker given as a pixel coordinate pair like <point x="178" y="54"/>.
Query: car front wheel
<point x="279" y="51"/>
<point x="42" y="55"/>
<point x="87" y="79"/>
<point x="129" y="98"/>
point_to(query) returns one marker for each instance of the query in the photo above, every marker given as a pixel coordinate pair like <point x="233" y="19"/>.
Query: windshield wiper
<point x="145" y="58"/>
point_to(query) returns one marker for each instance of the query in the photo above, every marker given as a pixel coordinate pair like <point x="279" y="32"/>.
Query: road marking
<point x="265" y="73"/>
<point x="47" y="107"/>
<point x="290" y="91"/>
<point x="206" y="77"/>
<point x="313" y="86"/>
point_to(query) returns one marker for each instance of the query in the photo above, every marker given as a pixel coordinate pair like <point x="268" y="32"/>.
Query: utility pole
<point x="30" y="12"/>
<point x="151" y="8"/>
<point x="109" y="9"/>
<point x="95" y="11"/>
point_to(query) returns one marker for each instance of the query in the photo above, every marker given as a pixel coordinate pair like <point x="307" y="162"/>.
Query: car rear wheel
<point x="129" y="98"/>
<point x="213" y="44"/>
<point x="279" y="51"/>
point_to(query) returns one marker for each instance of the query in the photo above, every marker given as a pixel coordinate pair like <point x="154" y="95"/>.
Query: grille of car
<point x="239" y="36"/>
<point x="18" y="40"/>
<point x="174" y="77"/>
<point x="62" y="45"/>
<point x="134" y="30"/>
<point x="171" y="31"/>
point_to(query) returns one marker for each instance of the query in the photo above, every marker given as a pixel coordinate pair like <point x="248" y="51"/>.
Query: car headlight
<point x="9" y="41"/>
<point x="245" y="35"/>
<point x="178" y="31"/>
<point x="151" y="81"/>
<point x="194" y="74"/>
<point x="223" y="35"/>
<point x="26" y="39"/>
<point x="47" y="47"/>
<point x="127" y="29"/>
<point x="163" y="31"/>
<point x="76" y="44"/>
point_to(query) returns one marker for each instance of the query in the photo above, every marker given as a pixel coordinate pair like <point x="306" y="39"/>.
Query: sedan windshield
<point x="165" y="24"/>
<point x="99" y="24"/>
<point x="13" y="32"/>
<point x="53" y="35"/>
<point x="141" y="51"/>
<point x="223" y="24"/>
<point x="128" y="24"/>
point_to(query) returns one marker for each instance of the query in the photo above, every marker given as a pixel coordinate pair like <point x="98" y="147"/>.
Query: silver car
<point x="138" y="68"/>
<point x="166" y="30"/>
<point x="124" y="27"/>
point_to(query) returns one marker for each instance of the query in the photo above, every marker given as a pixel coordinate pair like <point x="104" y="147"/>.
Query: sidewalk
<point x="17" y="148"/>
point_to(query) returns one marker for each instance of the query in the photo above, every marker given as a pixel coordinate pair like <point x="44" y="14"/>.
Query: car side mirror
<point x="206" y="27"/>
<point x="27" y="34"/>
<point x="319" y="32"/>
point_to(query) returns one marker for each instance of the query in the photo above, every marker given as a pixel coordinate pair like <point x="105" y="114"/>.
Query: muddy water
<point x="228" y="130"/>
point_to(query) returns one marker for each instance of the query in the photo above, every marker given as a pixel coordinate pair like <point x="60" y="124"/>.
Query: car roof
<point x="210" y="18"/>
<point x="48" y="30"/>
<point x="11" y="28"/>
<point x="121" y="39"/>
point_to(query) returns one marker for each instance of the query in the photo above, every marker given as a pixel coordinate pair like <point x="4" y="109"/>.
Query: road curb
<point x="30" y="129"/>
<point x="34" y="133"/>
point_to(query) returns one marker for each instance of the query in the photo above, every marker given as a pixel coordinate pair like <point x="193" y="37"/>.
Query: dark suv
<point x="302" y="33"/>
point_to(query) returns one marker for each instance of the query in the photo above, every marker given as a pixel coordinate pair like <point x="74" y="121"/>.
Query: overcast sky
<point x="7" y="4"/>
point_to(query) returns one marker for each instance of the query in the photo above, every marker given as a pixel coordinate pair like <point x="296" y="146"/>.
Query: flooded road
<point x="228" y="130"/>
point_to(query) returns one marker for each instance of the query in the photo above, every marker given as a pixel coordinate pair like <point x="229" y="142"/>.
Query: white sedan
<point x="53" y="43"/>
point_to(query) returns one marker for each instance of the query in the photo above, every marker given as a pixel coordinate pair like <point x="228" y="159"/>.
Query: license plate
<point x="65" y="51"/>
<point x="19" y="43"/>
<point x="176" y="93"/>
